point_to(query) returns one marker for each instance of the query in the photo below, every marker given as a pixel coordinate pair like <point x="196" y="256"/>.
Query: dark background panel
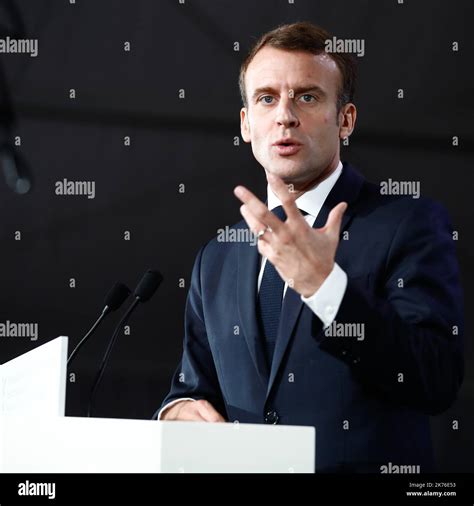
<point x="190" y="46"/>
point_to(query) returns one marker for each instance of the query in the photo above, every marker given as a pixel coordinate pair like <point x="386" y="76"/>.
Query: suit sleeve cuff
<point x="172" y="403"/>
<point x="326" y="300"/>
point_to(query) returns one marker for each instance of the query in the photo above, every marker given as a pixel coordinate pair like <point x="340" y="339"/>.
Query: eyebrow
<point x="297" y="90"/>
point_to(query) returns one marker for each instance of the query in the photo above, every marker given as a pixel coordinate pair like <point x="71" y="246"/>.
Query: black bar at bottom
<point x="52" y="489"/>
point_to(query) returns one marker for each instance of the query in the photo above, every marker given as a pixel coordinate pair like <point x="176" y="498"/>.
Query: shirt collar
<point x="312" y="200"/>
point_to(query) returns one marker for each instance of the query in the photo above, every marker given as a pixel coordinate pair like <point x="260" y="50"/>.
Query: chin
<point x="287" y="171"/>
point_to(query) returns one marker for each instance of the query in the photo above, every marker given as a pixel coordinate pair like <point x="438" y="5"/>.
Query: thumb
<point x="333" y="223"/>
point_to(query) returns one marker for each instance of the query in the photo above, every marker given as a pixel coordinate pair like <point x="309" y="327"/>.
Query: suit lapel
<point x="346" y="189"/>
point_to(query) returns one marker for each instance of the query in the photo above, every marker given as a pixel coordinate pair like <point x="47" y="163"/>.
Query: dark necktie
<point x="270" y="298"/>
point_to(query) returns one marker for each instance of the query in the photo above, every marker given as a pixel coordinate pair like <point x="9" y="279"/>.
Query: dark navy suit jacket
<point x="369" y="399"/>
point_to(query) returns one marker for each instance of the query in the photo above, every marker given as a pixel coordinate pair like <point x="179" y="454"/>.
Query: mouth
<point x="287" y="147"/>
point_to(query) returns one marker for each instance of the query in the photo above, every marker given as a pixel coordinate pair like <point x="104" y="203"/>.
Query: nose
<point x="286" y="116"/>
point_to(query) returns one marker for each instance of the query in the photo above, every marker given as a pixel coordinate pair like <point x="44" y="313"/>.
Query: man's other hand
<point x="193" y="411"/>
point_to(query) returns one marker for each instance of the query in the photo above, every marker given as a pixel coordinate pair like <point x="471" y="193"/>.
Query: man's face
<point x="292" y="96"/>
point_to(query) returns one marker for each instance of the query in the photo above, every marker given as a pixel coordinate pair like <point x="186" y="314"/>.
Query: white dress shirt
<point x="326" y="300"/>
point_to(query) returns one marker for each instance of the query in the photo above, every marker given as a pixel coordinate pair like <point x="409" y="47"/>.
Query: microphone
<point x="143" y="292"/>
<point x="114" y="299"/>
<point x="15" y="170"/>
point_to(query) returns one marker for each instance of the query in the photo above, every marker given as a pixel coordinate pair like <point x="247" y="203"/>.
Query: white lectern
<point x="57" y="444"/>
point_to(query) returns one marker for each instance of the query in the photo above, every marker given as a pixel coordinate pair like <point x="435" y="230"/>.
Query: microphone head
<point x="148" y="285"/>
<point x="117" y="296"/>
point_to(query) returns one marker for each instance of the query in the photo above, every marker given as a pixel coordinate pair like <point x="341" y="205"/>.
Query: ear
<point x="347" y="119"/>
<point x="244" y="124"/>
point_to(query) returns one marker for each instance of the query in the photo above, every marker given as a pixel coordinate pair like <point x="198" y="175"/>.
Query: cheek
<point x="329" y="119"/>
<point x="258" y="131"/>
<point x="329" y="123"/>
<point x="324" y="130"/>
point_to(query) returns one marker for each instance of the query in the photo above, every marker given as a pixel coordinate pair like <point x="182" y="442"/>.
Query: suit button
<point x="271" y="417"/>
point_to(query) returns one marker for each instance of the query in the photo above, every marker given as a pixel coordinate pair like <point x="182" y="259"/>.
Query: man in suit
<point x="347" y="313"/>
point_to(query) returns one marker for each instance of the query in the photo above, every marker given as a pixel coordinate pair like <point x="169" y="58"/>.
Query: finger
<point x="264" y="248"/>
<point x="255" y="225"/>
<point x="333" y="223"/>
<point x="191" y="415"/>
<point x="207" y="411"/>
<point x="258" y="209"/>
<point x="286" y="197"/>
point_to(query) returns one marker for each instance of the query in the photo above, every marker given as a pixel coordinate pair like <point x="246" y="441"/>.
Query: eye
<point x="307" y="99"/>
<point x="266" y="99"/>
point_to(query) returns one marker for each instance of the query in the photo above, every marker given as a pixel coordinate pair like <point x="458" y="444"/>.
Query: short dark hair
<point x="304" y="36"/>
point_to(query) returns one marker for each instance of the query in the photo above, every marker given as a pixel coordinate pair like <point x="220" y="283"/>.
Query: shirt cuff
<point x="172" y="403"/>
<point x="326" y="300"/>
